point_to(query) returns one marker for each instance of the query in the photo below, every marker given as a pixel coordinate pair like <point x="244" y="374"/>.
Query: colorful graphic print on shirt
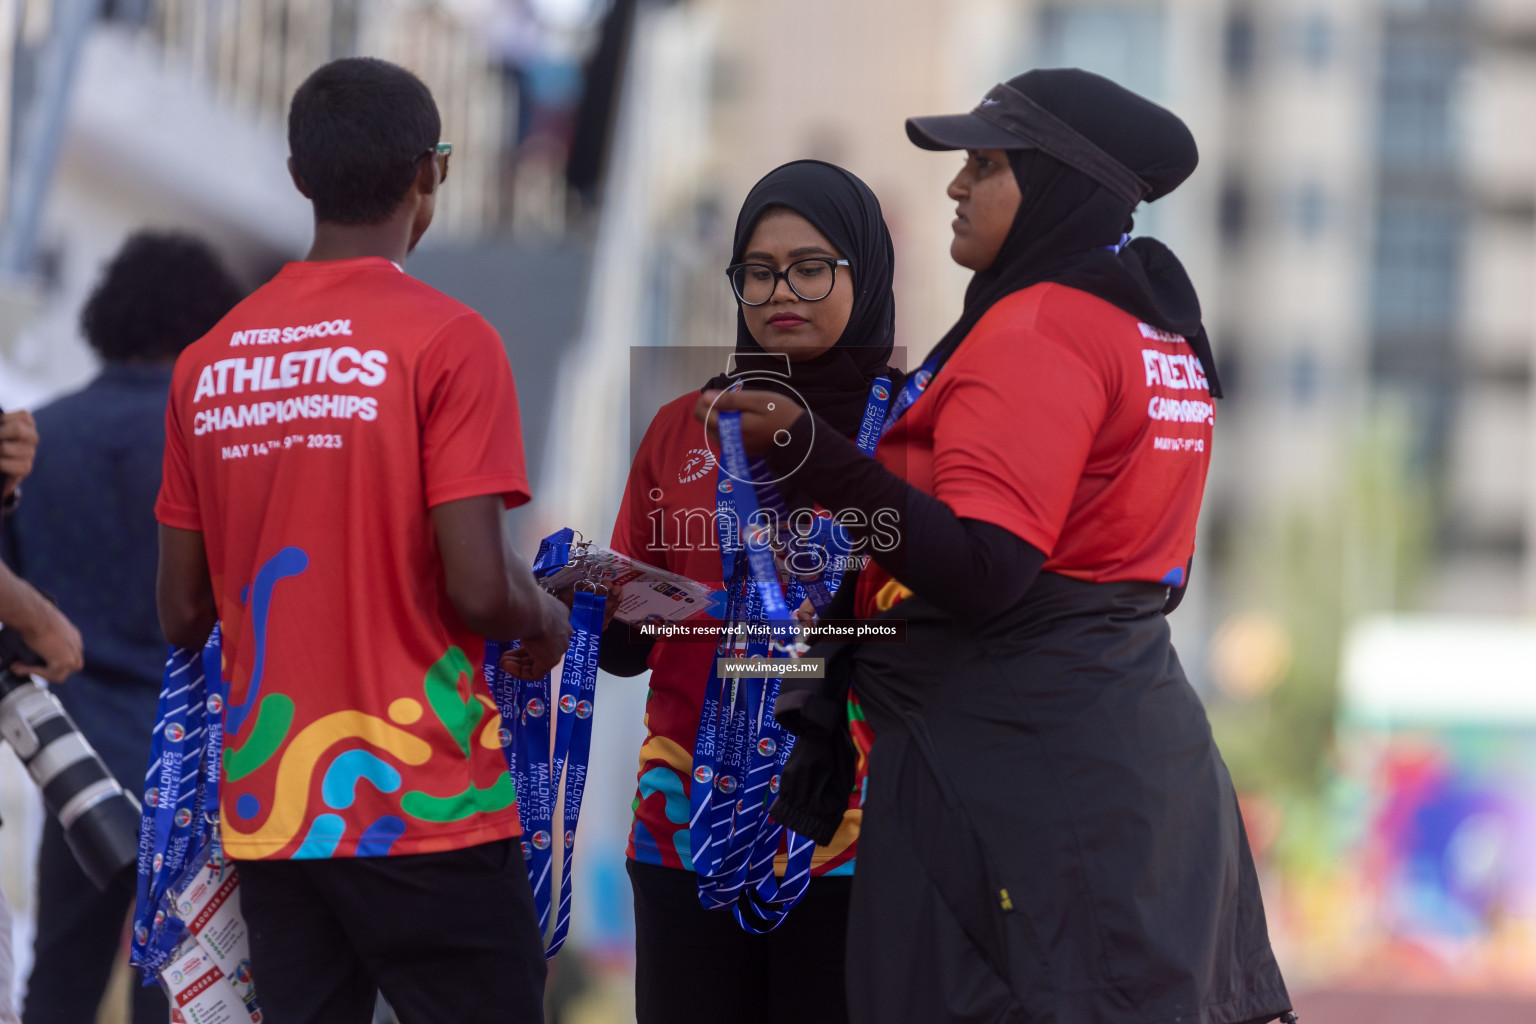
<point x="273" y="771"/>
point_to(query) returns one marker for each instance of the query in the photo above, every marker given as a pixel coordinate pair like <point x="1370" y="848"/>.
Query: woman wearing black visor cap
<point x="1050" y="833"/>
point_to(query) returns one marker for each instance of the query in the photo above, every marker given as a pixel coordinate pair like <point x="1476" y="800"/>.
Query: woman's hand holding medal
<point x="767" y="417"/>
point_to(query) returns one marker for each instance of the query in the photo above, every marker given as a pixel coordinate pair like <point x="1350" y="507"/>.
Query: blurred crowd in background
<point x="1362" y="227"/>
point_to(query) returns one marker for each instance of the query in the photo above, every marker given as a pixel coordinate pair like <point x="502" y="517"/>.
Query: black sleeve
<point x="620" y="655"/>
<point x="967" y="567"/>
<point x="815" y="783"/>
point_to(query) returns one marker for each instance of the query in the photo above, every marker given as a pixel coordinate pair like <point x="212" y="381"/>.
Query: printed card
<point x="210" y="906"/>
<point x="650" y="594"/>
<point x="199" y="992"/>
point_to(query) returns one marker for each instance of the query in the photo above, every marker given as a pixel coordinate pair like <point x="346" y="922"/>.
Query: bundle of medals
<point x="740" y="753"/>
<point x="187" y="930"/>
<point x="541" y="756"/>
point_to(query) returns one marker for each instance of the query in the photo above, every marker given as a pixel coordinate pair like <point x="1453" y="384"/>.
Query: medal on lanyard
<point x="542" y="757"/>
<point x="181" y="797"/>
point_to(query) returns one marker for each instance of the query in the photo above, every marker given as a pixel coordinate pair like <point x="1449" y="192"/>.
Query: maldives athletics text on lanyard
<point x="180" y="819"/>
<point x="911" y="391"/>
<point x="740" y="748"/>
<point x="538" y="762"/>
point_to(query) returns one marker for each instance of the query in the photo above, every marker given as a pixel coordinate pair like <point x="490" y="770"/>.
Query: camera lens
<point x="100" y="819"/>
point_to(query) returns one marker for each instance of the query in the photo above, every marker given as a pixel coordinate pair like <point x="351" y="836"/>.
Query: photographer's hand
<point x="43" y="628"/>
<point x="18" y="447"/>
<point x="55" y="640"/>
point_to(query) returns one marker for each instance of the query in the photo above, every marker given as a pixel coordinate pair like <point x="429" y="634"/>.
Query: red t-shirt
<point x="1069" y="423"/>
<point x="307" y="436"/>
<point x="667" y="519"/>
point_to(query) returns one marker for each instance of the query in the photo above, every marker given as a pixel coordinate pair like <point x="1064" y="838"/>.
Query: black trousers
<point x="80" y="930"/>
<point x="445" y="936"/>
<point x="697" y="966"/>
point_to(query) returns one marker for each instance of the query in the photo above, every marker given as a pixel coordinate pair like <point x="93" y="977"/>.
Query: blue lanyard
<point x="740" y="751"/>
<point x="180" y="811"/>
<point x="830" y="534"/>
<point x="826" y="544"/>
<point x="575" y="722"/>
<point x="537" y="772"/>
<point x="870" y="427"/>
<point x="213" y="751"/>
<point x="911" y="391"/>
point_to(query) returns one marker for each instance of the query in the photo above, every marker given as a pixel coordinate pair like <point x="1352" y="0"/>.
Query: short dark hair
<point x="161" y="292"/>
<point x="357" y="129"/>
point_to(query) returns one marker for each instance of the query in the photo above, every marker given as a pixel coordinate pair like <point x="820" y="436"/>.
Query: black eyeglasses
<point x="811" y="279"/>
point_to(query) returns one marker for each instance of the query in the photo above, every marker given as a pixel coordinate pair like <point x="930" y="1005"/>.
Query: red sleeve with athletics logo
<point x="1074" y="426"/>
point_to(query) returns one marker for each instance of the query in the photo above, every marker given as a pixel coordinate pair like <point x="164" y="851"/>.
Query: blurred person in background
<point x="85" y="534"/>
<point x="1050" y="832"/>
<point x="812" y="267"/>
<point x="340" y="452"/>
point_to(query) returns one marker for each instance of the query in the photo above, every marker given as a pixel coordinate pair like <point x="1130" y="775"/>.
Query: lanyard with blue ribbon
<point x="740" y="748"/>
<point x="819" y="554"/>
<point x="836" y="543"/>
<point x="737" y="754"/>
<point x="213" y="750"/>
<point x="538" y="766"/>
<point x="911" y="391"/>
<point x="181" y="797"/>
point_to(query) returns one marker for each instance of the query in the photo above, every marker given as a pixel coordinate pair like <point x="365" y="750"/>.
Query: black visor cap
<point x="960" y="131"/>
<point x="1008" y="119"/>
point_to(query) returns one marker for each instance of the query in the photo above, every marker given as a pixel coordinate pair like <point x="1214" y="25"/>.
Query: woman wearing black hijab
<point x="811" y="267"/>
<point x="1050" y="833"/>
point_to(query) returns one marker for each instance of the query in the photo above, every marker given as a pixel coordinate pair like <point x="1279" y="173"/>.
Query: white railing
<point x="255" y="53"/>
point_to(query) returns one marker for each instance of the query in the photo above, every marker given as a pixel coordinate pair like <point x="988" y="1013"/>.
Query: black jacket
<point x="1049" y="834"/>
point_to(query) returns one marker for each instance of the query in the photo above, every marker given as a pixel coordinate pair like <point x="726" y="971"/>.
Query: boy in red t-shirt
<point x="339" y="450"/>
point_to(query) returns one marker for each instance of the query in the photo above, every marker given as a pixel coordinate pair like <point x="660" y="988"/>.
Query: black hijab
<point x="836" y="383"/>
<point x="1066" y="219"/>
